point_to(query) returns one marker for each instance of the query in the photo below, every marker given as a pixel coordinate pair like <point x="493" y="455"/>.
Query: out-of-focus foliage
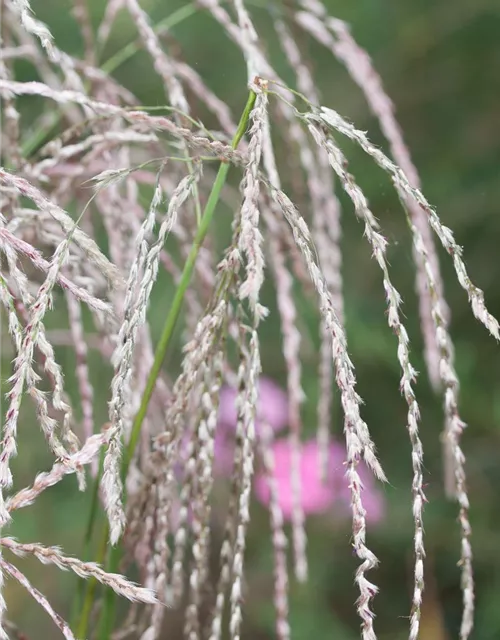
<point x="439" y="62"/>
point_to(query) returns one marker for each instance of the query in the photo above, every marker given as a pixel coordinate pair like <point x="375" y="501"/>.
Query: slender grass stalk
<point x="108" y="610"/>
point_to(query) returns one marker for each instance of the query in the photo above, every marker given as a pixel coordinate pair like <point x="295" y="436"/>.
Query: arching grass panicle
<point x="140" y="285"/>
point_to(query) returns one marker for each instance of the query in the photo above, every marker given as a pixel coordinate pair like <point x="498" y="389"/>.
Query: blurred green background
<point x="440" y="64"/>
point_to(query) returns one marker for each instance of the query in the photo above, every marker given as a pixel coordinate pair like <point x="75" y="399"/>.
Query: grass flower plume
<point x="114" y="215"/>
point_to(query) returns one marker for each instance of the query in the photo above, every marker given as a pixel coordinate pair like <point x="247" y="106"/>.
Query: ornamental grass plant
<point x="156" y="243"/>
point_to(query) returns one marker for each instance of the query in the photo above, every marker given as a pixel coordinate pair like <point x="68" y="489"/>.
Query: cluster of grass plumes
<point x="156" y="476"/>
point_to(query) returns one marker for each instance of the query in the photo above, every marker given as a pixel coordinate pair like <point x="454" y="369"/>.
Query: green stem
<point x="76" y="612"/>
<point x="108" y="609"/>
<point x="187" y="272"/>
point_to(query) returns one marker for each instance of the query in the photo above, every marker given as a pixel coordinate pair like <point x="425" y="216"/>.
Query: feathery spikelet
<point x="379" y="247"/>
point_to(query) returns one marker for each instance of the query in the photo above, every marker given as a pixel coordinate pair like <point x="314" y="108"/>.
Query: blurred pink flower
<point x="316" y="496"/>
<point x="223" y="452"/>
<point x="272" y="406"/>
